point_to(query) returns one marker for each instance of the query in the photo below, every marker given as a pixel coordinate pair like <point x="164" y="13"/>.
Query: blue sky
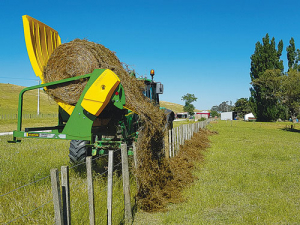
<point x="198" y="47"/>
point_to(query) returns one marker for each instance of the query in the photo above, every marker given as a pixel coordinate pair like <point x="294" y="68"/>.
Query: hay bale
<point x="76" y="58"/>
<point x="81" y="57"/>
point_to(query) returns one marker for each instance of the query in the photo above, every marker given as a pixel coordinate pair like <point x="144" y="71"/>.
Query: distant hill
<point x="9" y="98"/>
<point x="176" y="108"/>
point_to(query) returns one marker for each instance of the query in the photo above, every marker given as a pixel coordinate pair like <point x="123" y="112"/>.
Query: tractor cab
<point x="153" y="89"/>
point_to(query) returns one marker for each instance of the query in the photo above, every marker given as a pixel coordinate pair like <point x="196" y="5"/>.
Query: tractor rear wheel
<point x="78" y="151"/>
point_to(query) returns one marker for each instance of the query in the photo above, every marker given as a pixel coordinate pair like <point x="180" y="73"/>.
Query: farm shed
<point x="203" y="114"/>
<point x="228" y="115"/>
<point x="249" y="117"/>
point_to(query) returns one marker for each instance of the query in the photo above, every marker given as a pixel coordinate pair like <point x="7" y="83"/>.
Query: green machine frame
<point x="80" y="122"/>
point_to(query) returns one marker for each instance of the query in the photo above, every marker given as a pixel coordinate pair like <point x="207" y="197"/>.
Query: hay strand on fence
<point x="163" y="183"/>
<point x="158" y="177"/>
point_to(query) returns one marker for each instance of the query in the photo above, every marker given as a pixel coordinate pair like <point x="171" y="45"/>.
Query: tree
<point x="291" y="54"/>
<point x="270" y="84"/>
<point x="223" y="107"/>
<point x="291" y="93"/>
<point x="265" y="57"/>
<point x="214" y="113"/>
<point x="188" y="106"/>
<point x="242" y="107"/>
<point x="214" y="108"/>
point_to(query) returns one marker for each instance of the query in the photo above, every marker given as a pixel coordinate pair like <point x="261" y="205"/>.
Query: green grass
<point x="9" y="97"/>
<point x="250" y="175"/>
<point x="11" y="124"/>
<point x="31" y="160"/>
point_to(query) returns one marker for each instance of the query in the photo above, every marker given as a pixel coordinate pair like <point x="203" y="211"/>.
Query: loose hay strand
<point x="159" y="179"/>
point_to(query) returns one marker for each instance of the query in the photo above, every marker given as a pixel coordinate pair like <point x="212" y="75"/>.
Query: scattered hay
<point x="164" y="184"/>
<point x="159" y="179"/>
<point x="80" y="57"/>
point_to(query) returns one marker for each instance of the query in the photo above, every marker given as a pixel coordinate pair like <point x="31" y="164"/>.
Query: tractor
<point x="99" y="121"/>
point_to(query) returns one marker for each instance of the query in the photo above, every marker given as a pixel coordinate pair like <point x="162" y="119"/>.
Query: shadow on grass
<point x="291" y="129"/>
<point x="99" y="165"/>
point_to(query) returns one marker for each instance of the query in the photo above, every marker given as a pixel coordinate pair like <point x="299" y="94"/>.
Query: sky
<point x="197" y="47"/>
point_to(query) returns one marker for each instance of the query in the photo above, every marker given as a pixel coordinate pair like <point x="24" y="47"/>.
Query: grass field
<point x="250" y="175"/>
<point x="31" y="160"/>
<point x="9" y="97"/>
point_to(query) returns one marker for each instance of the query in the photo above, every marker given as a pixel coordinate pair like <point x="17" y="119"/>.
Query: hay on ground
<point x="159" y="179"/>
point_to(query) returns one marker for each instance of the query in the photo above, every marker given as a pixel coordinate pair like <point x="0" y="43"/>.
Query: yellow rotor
<point x="41" y="40"/>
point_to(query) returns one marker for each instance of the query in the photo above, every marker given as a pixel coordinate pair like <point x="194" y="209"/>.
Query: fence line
<point x="29" y="212"/>
<point x="25" y="185"/>
<point x="177" y="137"/>
<point x="31" y="183"/>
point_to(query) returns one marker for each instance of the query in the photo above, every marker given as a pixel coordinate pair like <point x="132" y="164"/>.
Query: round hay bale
<point x="81" y="57"/>
<point x="76" y="58"/>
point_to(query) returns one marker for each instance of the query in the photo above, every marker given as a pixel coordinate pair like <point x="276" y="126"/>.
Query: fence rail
<point x="179" y="135"/>
<point x="62" y="189"/>
<point x="27" y="116"/>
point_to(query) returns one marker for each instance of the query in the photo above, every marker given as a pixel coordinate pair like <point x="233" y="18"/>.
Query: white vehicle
<point x="228" y="115"/>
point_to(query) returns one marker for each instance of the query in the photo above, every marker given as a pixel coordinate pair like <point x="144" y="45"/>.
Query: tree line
<point x="274" y="93"/>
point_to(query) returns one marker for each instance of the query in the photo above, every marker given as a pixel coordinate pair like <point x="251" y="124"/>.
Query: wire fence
<point x="41" y="211"/>
<point x="31" y="201"/>
<point x="179" y="135"/>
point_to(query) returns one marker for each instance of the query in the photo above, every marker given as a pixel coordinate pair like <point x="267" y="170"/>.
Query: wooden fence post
<point x="192" y="129"/>
<point x="179" y="131"/>
<point x="135" y="162"/>
<point x="177" y="140"/>
<point x="90" y="185"/>
<point x="126" y="184"/>
<point x="183" y="133"/>
<point x="134" y="155"/>
<point x="185" y="130"/>
<point x="170" y="143"/>
<point x="66" y="194"/>
<point x="58" y="213"/>
<point x="110" y="186"/>
<point x="173" y="142"/>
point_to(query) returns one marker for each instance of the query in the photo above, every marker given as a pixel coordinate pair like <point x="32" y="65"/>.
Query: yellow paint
<point x="130" y="110"/>
<point x="129" y="113"/>
<point x="100" y="93"/>
<point x="41" y="40"/>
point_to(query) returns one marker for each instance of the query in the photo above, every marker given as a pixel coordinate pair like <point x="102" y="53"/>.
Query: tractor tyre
<point x="78" y="151"/>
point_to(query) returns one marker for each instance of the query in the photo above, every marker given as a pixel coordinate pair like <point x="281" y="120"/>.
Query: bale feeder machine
<point x="100" y="120"/>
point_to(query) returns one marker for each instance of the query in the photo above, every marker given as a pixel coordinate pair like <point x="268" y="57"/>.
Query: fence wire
<point x="118" y="198"/>
<point x="25" y="185"/>
<point x="29" y="212"/>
